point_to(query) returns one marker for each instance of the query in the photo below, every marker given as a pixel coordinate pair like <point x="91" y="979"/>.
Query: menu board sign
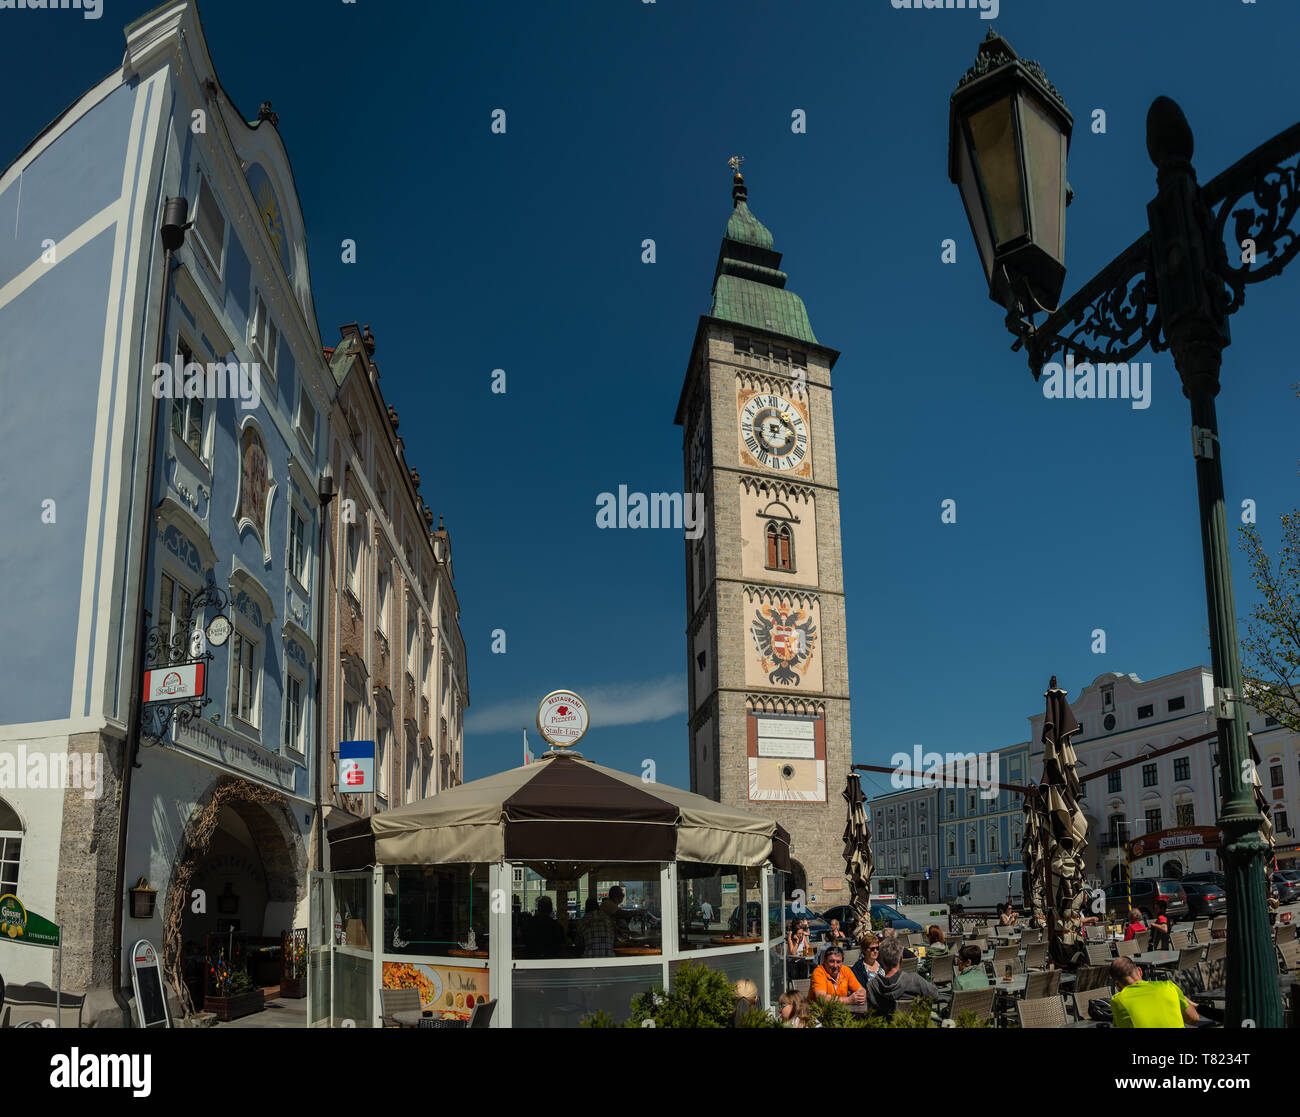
<point x="449" y="992"/>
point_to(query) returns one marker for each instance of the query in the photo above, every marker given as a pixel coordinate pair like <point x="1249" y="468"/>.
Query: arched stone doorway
<point x="1172" y="868"/>
<point x="243" y="853"/>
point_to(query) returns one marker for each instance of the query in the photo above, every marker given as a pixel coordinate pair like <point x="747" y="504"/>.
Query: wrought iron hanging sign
<point x="176" y="665"/>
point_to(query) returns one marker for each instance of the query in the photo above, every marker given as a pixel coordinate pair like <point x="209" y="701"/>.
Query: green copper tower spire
<point x="748" y="285"/>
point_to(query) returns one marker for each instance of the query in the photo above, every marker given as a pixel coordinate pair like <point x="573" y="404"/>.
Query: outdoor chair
<point x="983" y="944"/>
<point x="1044" y="983"/>
<point x="1036" y="956"/>
<point x="30" y="1005"/>
<point x="481" y="1017"/>
<point x="1217" y="948"/>
<point x="1180" y="940"/>
<point x="1002" y="955"/>
<point x="1084" y="997"/>
<point x="1092" y="977"/>
<point x="941" y="970"/>
<point x="908" y="965"/>
<point x="1216" y="973"/>
<point x="1042" y="1012"/>
<point x="1289" y="954"/>
<point x="1189" y="957"/>
<point x="1129" y="948"/>
<point x="1099" y="953"/>
<point x="1220" y="925"/>
<point x="978" y="1001"/>
<point x="1095" y="932"/>
<point x="397" y="1000"/>
<point x="1201" y="929"/>
<point x="1192" y="980"/>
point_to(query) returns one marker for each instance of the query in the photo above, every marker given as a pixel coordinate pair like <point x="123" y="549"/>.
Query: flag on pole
<point x="528" y="756"/>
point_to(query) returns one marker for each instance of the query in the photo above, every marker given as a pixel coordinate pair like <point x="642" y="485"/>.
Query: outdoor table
<point x="1221" y="994"/>
<point x="1157" y="958"/>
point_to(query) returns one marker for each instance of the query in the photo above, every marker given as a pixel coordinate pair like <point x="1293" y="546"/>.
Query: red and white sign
<point x="562" y="718"/>
<point x="168" y="684"/>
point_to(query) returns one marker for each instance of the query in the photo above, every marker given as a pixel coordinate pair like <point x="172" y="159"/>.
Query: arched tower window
<point x="780" y="547"/>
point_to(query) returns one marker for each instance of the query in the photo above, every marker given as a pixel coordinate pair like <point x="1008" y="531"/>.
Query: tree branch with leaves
<point x="1271" y="644"/>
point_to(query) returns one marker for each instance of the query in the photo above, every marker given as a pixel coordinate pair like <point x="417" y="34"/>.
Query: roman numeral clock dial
<point x="774" y="432"/>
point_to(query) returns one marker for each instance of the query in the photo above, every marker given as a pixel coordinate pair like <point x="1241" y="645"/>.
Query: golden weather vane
<point x="734" y="162"/>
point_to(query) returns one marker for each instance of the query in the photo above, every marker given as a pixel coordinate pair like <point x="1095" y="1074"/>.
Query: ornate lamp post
<point x="1173" y="288"/>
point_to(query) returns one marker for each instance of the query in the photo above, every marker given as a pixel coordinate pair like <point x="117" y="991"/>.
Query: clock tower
<point x="765" y="631"/>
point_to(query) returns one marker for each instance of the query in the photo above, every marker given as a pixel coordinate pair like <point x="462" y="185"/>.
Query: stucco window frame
<point x="203" y="252"/>
<point x="261" y="310"/>
<point x="199" y="460"/>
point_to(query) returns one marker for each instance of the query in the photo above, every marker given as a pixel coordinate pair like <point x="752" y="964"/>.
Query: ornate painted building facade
<point x="396" y="669"/>
<point x="220" y="807"/>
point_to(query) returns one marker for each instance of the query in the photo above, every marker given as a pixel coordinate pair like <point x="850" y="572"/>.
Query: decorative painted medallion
<point x="786" y="639"/>
<point x="254" y="477"/>
<point x="774" y="433"/>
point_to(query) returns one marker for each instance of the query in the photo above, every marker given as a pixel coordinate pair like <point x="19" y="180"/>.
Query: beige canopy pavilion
<point x="499" y="890"/>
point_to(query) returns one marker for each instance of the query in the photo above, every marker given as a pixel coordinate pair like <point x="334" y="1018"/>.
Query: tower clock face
<point x="774" y="432"/>
<point x="699" y="454"/>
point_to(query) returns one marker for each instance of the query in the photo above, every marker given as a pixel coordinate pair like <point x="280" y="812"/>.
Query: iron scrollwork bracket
<point x="1116" y="314"/>
<point x="1261" y="194"/>
<point x="1111" y="318"/>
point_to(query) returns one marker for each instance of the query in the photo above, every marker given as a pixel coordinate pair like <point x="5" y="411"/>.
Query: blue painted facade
<point x="81" y="291"/>
<point x="978" y="835"/>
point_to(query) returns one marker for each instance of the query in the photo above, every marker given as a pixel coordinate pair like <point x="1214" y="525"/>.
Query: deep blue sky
<point x="522" y="252"/>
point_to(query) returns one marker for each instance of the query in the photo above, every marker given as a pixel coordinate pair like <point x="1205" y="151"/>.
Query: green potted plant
<point x="233" y="995"/>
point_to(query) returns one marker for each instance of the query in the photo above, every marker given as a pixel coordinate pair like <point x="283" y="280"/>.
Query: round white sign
<point x="562" y="718"/>
<point x="218" y="631"/>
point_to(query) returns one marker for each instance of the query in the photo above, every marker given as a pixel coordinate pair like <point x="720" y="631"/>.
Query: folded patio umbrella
<point x="1034" y="850"/>
<point x="1266" y="811"/>
<point x="1066" y="834"/>
<point x="858" y="865"/>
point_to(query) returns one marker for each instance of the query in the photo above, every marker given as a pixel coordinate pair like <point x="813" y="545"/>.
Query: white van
<point x="990" y="891"/>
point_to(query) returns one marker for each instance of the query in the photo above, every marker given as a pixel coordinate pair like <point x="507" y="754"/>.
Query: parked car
<point x="817" y="926"/>
<point x="1204" y="899"/>
<point x="845" y="914"/>
<point x="1142" y="893"/>
<point x="893" y="918"/>
<point x="1286" y="885"/>
<point x="1205" y="878"/>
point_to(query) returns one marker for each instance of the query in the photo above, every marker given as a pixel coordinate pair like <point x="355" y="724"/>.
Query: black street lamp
<point x="1173" y="288"/>
<point x="1009" y="133"/>
<point x="326" y="492"/>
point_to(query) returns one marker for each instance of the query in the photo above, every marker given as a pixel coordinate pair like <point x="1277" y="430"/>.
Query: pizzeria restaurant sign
<point x="1164" y="841"/>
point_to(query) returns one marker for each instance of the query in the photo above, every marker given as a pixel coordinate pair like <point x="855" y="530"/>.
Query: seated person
<point x="792" y="1009"/>
<point x="746" y="999"/>
<point x="835" y="935"/>
<point x="1009" y="916"/>
<point x="1160" y="938"/>
<point x="1135" y="925"/>
<point x="798" y="941"/>
<point x="833" y="981"/>
<point x="867" y="967"/>
<point x="936" y="945"/>
<point x="544" y="937"/>
<point x="1147" y="1004"/>
<point x="883" y="993"/>
<point x="970" y="972"/>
